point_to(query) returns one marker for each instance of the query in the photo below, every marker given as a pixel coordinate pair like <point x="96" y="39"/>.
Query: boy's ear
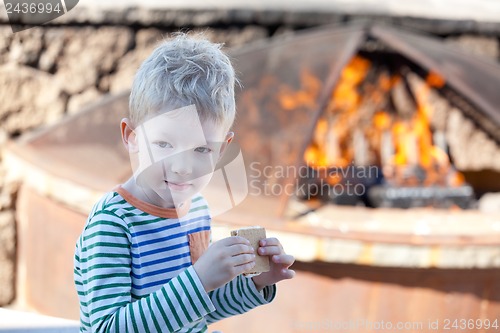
<point x="227" y="140"/>
<point x="129" y="137"/>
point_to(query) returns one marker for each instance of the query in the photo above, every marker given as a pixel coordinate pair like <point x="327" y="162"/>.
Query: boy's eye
<point x="203" y="150"/>
<point x="163" y="144"/>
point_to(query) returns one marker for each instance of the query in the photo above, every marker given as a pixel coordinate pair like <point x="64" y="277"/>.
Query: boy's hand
<point x="223" y="261"/>
<point x="279" y="262"/>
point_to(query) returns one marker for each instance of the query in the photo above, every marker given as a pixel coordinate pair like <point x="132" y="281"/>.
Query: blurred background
<point x="370" y="132"/>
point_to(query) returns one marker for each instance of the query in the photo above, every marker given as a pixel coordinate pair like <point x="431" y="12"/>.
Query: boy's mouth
<point x="178" y="186"/>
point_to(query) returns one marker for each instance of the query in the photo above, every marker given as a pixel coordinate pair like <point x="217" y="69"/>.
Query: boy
<point x="142" y="263"/>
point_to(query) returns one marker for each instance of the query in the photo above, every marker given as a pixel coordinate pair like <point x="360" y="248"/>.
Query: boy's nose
<point x="181" y="164"/>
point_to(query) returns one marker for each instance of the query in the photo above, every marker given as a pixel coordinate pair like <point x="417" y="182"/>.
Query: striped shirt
<point x="133" y="271"/>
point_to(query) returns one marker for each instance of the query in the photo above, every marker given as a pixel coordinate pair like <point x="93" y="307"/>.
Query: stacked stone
<point x="50" y="71"/>
<point x="46" y="73"/>
<point x="8" y="191"/>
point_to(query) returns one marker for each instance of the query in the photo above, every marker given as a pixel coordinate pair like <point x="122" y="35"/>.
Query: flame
<point x="434" y="79"/>
<point x="345" y="95"/>
<point x="404" y="141"/>
<point x="413" y="151"/>
<point x="331" y="133"/>
<point x="381" y="121"/>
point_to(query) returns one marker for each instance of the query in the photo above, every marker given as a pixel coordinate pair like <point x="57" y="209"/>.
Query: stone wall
<point x="48" y="72"/>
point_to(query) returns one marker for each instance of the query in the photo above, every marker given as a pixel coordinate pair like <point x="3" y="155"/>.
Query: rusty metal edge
<point x="287" y="225"/>
<point x="386" y="35"/>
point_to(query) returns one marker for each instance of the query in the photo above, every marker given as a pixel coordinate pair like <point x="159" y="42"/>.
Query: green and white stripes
<point x="133" y="273"/>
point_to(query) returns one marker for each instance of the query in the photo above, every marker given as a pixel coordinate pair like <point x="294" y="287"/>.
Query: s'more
<point x="254" y="235"/>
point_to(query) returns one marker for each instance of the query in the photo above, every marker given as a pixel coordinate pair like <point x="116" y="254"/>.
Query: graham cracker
<point x="254" y="235"/>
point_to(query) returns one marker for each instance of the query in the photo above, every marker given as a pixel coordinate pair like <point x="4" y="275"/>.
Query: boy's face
<point x="176" y="155"/>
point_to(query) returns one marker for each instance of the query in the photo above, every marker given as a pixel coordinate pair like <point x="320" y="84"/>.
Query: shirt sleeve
<point x="102" y="275"/>
<point x="237" y="297"/>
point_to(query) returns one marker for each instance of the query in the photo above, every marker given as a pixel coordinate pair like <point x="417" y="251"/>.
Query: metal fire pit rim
<point x="387" y="35"/>
<point x="338" y="28"/>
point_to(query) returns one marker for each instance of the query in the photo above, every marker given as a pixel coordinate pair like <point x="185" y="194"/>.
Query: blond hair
<point x="182" y="71"/>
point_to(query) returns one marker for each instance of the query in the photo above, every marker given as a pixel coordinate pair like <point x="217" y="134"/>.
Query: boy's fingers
<point x="287" y="273"/>
<point x="270" y="250"/>
<point x="243" y="259"/>
<point x="234" y="240"/>
<point x="237" y="249"/>
<point x="244" y="267"/>
<point x="270" y="241"/>
<point x="284" y="259"/>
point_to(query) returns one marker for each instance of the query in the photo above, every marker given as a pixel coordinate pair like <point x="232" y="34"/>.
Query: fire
<point x="330" y="146"/>
<point x="360" y="124"/>
<point x="345" y="96"/>
<point x="435" y="80"/>
<point x="382" y="121"/>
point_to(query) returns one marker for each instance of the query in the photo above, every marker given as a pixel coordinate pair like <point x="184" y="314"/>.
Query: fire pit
<point x="376" y="109"/>
<point x="357" y="254"/>
<point x="379" y="115"/>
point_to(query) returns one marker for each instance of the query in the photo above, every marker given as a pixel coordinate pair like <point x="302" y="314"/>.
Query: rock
<point x="5" y="41"/>
<point x="90" y="54"/>
<point x="145" y="38"/>
<point x="77" y="102"/>
<point x="54" y="40"/>
<point x="145" y="41"/>
<point x="26" y="47"/>
<point x="235" y="37"/>
<point x="8" y="194"/>
<point x="113" y="44"/>
<point x="127" y="67"/>
<point x="30" y="98"/>
<point x="8" y="190"/>
<point x="7" y="257"/>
